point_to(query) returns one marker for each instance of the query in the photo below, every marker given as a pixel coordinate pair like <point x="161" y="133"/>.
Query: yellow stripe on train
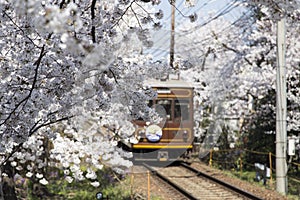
<point x="137" y="146"/>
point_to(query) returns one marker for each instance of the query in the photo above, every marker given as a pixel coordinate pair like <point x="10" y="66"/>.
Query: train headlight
<point x="185" y="135"/>
<point x="141" y="133"/>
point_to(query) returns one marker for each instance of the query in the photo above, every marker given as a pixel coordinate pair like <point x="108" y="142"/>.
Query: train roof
<point x="168" y="83"/>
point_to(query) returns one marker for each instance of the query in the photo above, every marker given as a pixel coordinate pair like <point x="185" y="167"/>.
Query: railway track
<point x="176" y="191"/>
<point x="186" y="182"/>
<point x="169" y="191"/>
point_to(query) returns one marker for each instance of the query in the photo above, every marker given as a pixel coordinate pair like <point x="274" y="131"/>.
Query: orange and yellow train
<point x="173" y="137"/>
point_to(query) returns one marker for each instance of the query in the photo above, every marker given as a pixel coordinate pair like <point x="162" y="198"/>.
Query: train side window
<point x="181" y="110"/>
<point x="149" y="103"/>
<point x="163" y="108"/>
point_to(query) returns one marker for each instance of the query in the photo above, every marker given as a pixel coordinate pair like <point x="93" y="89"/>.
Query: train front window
<point x="181" y="110"/>
<point x="145" y="115"/>
<point x="149" y="103"/>
<point x="163" y="108"/>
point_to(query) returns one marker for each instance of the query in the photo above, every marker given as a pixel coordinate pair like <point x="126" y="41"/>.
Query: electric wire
<point x="158" y="51"/>
<point x="220" y="32"/>
<point x="195" y="44"/>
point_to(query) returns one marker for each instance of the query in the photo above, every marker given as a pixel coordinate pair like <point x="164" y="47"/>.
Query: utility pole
<point x="172" y="40"/>
<point x="281" y="134"/>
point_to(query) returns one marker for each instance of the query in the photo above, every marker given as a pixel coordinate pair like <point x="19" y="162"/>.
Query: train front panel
<point x="173" y="136"/>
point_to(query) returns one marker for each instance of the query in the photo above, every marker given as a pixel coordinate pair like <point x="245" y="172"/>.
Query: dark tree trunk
<point x="8" y="185"/>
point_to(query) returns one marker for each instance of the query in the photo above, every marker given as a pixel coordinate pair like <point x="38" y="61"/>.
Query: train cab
<point x="173" y="136"/>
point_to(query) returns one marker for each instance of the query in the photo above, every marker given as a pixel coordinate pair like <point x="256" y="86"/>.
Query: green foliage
<point x="223" y="139"/>
<point x="259" y="133"/>
<point x="110" y="186"/>
<point x="83" y="190"/>
<point x="249" y="176"/>
<point x="294" y="187"/>
<point x="117" y="193"/>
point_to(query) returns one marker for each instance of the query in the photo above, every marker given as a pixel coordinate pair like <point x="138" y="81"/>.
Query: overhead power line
<point x="164" y="39"/>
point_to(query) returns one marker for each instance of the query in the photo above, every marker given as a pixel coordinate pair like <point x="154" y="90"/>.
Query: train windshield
<point x="164" y="108"/>
<point x="181" y="110"/>
<point x="176" y="110"/>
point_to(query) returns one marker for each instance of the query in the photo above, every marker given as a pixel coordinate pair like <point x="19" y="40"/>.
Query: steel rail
<point x="231" y="187"/>
<point x="176" y="187"/>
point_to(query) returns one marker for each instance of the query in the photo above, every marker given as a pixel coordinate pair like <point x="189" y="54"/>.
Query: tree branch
<point x="236" y="51"/>
<point x="93" y="32"/>
<point x="33" y="130"/>
<point x="115" y="78"/>
<point x="231" y="49"/>
<point x="37" y="63"/>
<point x="123" y="14"/>
<point x="61" y="4"/>
<point x="18" y="27"/>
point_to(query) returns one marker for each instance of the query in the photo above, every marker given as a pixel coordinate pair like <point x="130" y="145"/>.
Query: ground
<point x="144" y="186"/>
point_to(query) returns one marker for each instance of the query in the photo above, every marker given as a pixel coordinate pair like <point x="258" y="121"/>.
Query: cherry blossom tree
<point x="72" y="76"/>
<point x="68" y="69"/>
<point x="236" y="63"/>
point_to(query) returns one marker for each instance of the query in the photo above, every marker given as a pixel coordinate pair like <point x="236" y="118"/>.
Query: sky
<point x="202" y="7"/>
<point x="205" y="10"/>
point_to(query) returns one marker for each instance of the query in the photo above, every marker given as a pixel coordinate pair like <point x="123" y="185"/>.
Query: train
<point x="173" y="137"/>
